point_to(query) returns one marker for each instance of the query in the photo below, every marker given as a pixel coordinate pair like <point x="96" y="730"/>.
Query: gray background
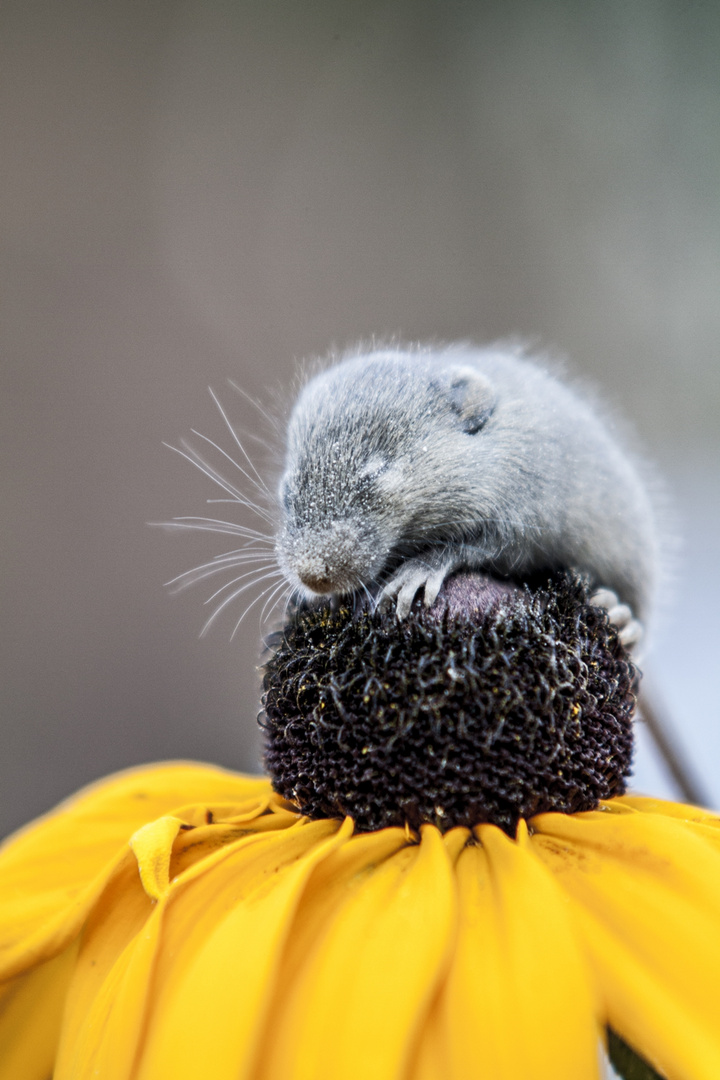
<point x="192" y="192"/>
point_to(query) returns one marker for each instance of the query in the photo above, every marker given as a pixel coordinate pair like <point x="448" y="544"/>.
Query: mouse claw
<point x="434" y="584"/>
<point x="405" y="599"/>
<point x="630" y="630"/>
<point x="632" y="634"/>
<point x="402" y="588"/>
<point x="620" y="615"/>
<point x="604" y="598"/>
<point x="413" y="575"/>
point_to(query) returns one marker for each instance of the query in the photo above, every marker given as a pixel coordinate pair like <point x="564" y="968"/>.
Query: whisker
<point x="194" y="458"/>
<point x="372" y="604"/>
<point x="229" y="584"/>
<point x="255" y="557"/>
<point x="263" y="490"/>
<point x="269" y="600"/>
<point x="230" y="558"/>
<point x="283" y="596"/>
<point x="272" y="449"/>
<point x="222" y="563"/>
<point x="247" y="548"/>
<point x="192" y="455"/>
<point x="260" y="482"/>
<point x="249" y="607"/>
<point x="230" y="531"/>
<point x="256" y="404"/>
<point x="191" y="521"/>
<point x="288" y="601"/>
<point x="201" y="528"/>
<point x="231" y="597"/>
<point x="210" y="470"/>
<point x="200" y="573"/>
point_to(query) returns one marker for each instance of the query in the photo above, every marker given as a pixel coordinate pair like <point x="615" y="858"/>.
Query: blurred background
<point x="203" y="191"/>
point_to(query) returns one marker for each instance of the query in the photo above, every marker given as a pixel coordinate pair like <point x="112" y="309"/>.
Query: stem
<point x="674" y="757"/>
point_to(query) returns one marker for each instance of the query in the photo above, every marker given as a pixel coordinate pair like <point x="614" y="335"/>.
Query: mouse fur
<point x="404" y="464"/>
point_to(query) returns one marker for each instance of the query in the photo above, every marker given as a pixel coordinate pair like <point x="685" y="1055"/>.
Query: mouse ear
<point x="470" y="397"/>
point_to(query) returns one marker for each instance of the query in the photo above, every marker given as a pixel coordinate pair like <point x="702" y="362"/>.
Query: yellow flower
<point x="180" y="921"/>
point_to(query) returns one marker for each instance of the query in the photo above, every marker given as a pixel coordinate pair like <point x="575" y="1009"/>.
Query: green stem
<point x="626" y="1062"/>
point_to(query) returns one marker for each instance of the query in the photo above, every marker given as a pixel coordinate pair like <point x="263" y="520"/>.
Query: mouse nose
<point x="327" y="560"/>
<point x="318" y="582"/>
<point x="323" y="572"/>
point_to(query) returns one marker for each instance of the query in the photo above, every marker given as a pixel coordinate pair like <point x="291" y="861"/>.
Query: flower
<point x="454" y="884"/>
<point x="254" y="942"/>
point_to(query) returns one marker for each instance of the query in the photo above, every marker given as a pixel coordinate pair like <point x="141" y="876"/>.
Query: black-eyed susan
<point x="182" y="921"/>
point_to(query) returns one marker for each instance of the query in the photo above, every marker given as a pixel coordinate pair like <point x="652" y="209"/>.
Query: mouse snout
<point x="318" y="577"/>
<point x="329" y="560"/>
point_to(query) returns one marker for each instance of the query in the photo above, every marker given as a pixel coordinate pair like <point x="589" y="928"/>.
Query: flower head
<point x="180" y="921"/>
<point x="497" y="704"/>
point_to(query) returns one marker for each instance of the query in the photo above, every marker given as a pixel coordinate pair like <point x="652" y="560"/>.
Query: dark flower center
<point x="498" y="704"/>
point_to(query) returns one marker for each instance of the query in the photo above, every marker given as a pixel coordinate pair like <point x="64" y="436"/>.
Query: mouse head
<point x="377" y="465"/>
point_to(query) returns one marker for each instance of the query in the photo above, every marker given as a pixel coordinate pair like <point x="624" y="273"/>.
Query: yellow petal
<point x="646" y="892"/>
<point x="365" y="955"/>
<point x="118" y="925"/>
<point x="196" y="845"/>
<point x="152" y="846"/>
<point x="684" y="811"/>
<point x="105" y="1010"/>
<point x="345" y="871"/>
<point x="31" y="1010"/>
<point x="704" y="823"/>
<point x="223" y="934"/>
<point x="52" y="871"/>
<point x="111" y="993"/>
<point x="518" y="998"/>
<point x="106" y="1002"/>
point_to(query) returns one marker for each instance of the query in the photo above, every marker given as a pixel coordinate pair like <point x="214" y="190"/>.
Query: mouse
<point x="406" y="464"/>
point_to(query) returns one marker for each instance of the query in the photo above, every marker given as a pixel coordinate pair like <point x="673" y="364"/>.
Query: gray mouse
<point x="405" y="464"/>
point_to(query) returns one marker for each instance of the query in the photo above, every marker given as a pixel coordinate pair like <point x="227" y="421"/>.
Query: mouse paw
<point x="424" y="572"/>
<point x="630" y="630"/>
